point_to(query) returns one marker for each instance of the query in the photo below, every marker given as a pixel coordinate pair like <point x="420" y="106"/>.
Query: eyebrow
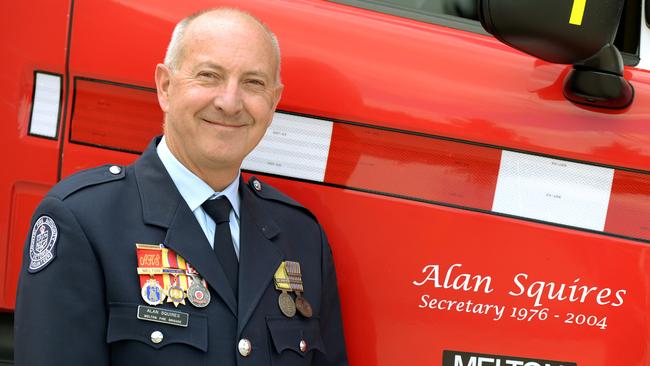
<point x="207" y="64"/>
<point x="212" y="65"/>
<point x="258" y="73"/>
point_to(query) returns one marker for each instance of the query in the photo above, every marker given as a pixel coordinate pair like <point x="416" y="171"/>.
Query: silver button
<point x="115" y="170"/>
<point x="257" y="185"/>
<point x="245" y="348"/>
<point x="303" y="345"/>
<point x="156" y="336"/>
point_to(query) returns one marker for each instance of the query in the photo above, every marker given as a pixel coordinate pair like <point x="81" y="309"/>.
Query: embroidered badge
<point x="42" y="245"/>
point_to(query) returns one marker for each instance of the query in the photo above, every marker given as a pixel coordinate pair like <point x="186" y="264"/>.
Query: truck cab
<point x="477" y="215"/>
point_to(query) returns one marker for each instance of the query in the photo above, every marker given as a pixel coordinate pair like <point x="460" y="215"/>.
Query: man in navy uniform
<point x="174" y="259"/>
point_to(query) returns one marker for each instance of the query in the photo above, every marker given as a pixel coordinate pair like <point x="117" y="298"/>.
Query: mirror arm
<point x="598" y="81"/>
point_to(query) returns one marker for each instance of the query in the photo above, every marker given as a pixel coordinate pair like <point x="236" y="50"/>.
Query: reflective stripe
<point x="553" y="190"/>
<point x="397" y="163"/>
<point x="45" y="108"/>
<point x="526" y="186"/>
<point x="293" y="146"/>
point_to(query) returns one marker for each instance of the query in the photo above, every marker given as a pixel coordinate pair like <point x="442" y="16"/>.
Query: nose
<point x="229" y="100"/>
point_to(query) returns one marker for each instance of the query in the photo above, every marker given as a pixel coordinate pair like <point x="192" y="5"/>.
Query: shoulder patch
<point x="42" y="243"/>
<point x="87" y="178"/>
<point x="269" y="192"/>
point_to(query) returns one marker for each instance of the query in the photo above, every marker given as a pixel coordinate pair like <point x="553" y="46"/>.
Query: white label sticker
<point x="553" y="190"/>
<point x="293" y="146"/>
<point x="45" y="112"/>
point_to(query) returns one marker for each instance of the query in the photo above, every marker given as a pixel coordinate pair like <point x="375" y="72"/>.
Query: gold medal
<point x="287" y="306"/>
<point x="175" y="293"/>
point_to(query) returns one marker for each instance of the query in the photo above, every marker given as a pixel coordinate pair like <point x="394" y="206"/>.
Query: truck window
<point x="462" y="14"/>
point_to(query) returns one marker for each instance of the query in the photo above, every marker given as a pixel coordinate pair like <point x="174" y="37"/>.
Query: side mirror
<point x="578" y="32"/>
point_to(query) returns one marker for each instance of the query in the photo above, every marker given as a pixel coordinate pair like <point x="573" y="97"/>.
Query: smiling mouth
<point x="223" y="124"/>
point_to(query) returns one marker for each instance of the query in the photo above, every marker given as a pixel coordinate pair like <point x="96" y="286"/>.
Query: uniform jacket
<point x="80" y="308"/>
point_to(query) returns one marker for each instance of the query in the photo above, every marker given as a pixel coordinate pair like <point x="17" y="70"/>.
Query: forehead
<point x="230" y="41"/>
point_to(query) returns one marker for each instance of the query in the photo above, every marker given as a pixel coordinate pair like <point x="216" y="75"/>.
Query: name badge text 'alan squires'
<point x="522" y="285"/>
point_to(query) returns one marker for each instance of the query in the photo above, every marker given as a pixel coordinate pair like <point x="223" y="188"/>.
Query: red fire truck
<point x="484" y="206"/>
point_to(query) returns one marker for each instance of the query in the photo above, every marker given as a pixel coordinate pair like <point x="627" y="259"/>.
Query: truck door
<point x="32" y="98"/>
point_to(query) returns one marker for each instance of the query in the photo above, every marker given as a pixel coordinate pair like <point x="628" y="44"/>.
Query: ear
<point x="163" y="79"/>
<point x="277" y="94"/>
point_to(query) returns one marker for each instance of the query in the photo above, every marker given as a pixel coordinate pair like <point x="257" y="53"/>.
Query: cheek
<point x="190" y="100"/>
<point x="260" y="102"/>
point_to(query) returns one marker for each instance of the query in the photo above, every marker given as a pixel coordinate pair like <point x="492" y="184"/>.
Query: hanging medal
<point x="198" y="293"/>
<point x="166" y="275"/>
<point x="285" y="301"/>
<point x="175" y="293"/>
<point x="149" y="260"/>
<point x="295" y="281"/>
<point x="152" y="293"/>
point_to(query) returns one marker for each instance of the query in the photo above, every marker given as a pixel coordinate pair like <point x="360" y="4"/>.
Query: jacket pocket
<point x="133" y="341"/>
<point x="294" y="341"/>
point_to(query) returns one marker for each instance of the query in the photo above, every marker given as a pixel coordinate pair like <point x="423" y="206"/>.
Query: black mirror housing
<point x="559" y="31"/>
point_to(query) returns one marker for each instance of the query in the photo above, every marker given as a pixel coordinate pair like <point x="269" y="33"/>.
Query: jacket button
<point x="115" y="170"/>
<point x="156" y="337"/>
<point x="257" y="185"/>
<point x="303" y="345"/>
<point x="245" y="348"/>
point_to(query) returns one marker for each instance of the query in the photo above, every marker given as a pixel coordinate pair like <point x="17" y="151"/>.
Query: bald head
<point x="194" y="24"/>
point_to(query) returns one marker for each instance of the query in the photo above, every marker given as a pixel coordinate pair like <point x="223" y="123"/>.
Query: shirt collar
<point x="192" y="188"/>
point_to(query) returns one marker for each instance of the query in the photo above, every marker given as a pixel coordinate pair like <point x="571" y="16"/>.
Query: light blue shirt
<point x="195" y="191"/>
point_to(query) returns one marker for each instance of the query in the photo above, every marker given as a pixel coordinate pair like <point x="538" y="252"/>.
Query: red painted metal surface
<point x="31" y="40"/>
<point x="382" y="245"/>
<point x="113" y="116"/>
<point x="413" y="166"/>
<point x="629" y="207"/>
<point x="355" y="65"/>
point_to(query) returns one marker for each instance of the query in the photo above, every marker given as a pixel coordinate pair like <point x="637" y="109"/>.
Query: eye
<point x="256" y="82"/>
<point x="207" y="75"/>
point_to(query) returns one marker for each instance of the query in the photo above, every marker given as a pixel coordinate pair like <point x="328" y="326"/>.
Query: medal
<point x="303" y="306"/>
<point x="198" y="294"/>
<point x="295" y="281"/>
<point x="149" y="256"/>
<point x="176" y="294"/>
<point x="287" y="306"/>
<point x="165" y="274"/>
<point x="152" y="293"/>
<point x="285" y="301"/>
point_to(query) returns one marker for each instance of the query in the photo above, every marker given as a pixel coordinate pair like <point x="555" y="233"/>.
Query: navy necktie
<point x="219" y="210"/>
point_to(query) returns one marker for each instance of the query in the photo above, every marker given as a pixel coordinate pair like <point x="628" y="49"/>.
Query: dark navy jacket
<point x="80" y="309"/>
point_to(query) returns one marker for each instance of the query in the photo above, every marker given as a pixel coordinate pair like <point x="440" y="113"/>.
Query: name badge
<point x="165" y="316"/>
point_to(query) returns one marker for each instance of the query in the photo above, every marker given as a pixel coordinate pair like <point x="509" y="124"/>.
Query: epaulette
<point x="269" y="192"/>
<point x="87" y="178"/>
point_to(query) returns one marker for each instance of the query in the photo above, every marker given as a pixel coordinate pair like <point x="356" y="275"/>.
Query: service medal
<point x="285" y="301"/>
<point x="287" y="306"/>
<point x="176" y="294"/>
<point x="303" y="306"/>
<point x="152" y="293"/>
<point x="295" y="282"/>
<point x="198" y="294"/>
